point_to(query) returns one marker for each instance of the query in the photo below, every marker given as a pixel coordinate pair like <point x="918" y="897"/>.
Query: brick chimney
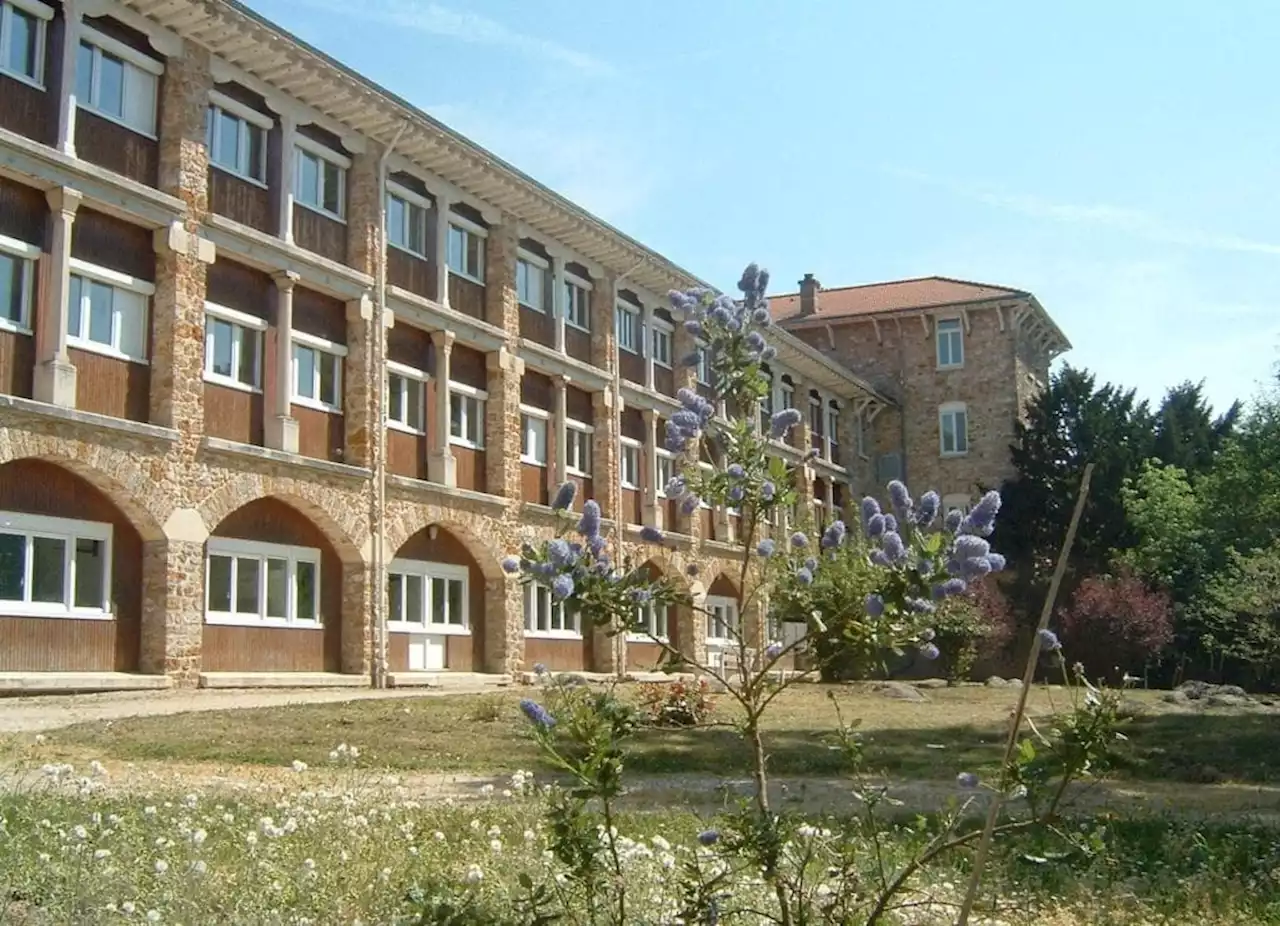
<point x="809" y="289"/>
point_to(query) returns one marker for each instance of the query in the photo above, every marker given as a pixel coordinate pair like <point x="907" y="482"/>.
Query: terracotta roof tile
<point x="894" y="296"/>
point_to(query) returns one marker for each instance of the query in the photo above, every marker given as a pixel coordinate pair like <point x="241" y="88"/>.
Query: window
<point x="577" y="450"/>
<point x="17" y="282"/>
<point x="950" y="343"/>
<point x="531" y="288"/>
<point x="466" y="416"/>
<point x="466" y="252"/>
<point x="722" y="619"/>
<point x="54" y="567"/>
<point x="406" y="221"/>
<point x="816" y="419"/>
<point x="666" y="470"/>
<point x="704" y="366"/>
<point x="247" y="582"/>
<point x="544" y="616"/>
<point x="651" y="621"/>
<point x="533" y="435"/>
<point x="786" y="394"/>
<point x="22" y="34"/>
<point x="833" y="432"/>
<point x="107" y="311"/>
<point x="317" y="372"/>
<point x="427" y="595"/>
<point x="320" y="180"/>
<point x="630" y="464"/>
<point x="954" y="429"/>
<point x="662" y="346"/>
<point x="404" y="398"/>
<point x="117" y="82"/>
<point x="627" y="322"/>
<point x="766" y="401"/>
<point x="955" y="502"/>
<point x="237" y="139"/>
<point x="232" y="347"/>
<point x="577" y="304"/>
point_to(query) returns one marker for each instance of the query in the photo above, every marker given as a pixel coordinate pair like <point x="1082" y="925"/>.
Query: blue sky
<point x="1119" y="160"/>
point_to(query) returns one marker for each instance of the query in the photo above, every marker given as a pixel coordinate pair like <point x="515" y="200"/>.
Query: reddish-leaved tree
<point x="1116" y="625"/>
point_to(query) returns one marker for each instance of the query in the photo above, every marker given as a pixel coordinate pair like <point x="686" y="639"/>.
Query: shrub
<point x="1115" y="624"/>
<point x="677" y="703"/>
<point x="980" y="618"/>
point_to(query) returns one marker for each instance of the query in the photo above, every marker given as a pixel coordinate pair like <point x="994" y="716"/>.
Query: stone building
<point x="959" y="360"/>
<point x="247" y="438"/>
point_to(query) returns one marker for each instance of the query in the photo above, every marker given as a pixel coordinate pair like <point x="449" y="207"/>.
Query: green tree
<point x="1240" y="612"/>
<point x="1187" y="435"/>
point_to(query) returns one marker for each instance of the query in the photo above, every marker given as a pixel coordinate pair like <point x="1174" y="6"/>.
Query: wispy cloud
<point x="1132" y="222"/>
<point x="438" y="20"/>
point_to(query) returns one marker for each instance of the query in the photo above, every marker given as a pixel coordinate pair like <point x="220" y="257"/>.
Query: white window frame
<point x="635" y="327"/>
<point x="583" y="300"/>
<point x="118" y="281"/>
<point x="27" y="255"/>
<point x="706" y="469"/>
<point x="832" y="422"/>
<point x="660" y="454"/>
<point x="308" y="147"/>
<point x="647" y="616"/>
<point x="666" y="332"/>
<point x="320" y="346"/>
<point x="43" y="14"/>
<point x="474" y="402"/>
<point x="135" y="64"/>
<point x="244" y="322"/>
<point x="467" y="227"/>
<point x="953" y="335"/>
<point x="786" y="395"/>
<point x="529" y="414"/>
<point x="427" y="570"/>
<point x="578" y="447"/>
<point x="632" y="448"/>
<point x="235" y="548"/>
<point x="533" y="264"/>
<point x="732" y="621"/>
<point x="410" y="378"/>
<point x="68" y="530"/>
<point x="950" y="410"/>
<point x="251" y="119"/>
<point x="412" y="201"/>
<point x="702" y="373"/>
<point x="956" y="500"/>
<point x="570" y="624"/>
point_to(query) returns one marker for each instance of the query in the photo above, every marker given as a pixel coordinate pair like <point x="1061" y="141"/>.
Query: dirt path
<point x="49" y="712"/>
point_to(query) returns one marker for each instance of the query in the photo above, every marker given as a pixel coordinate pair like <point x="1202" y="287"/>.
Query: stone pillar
<point x="69" y="51"/>
<point x="173" y="600"/>
<point x="501" y="307"/>
<point x="359" y="384"/>
<point x="442" y="249"/>
<point x="653" y="511"/>
<point x="607" y="653"/>
<point x="364" y="210"/>
<point x="281" y="426"/>
<point x="358" y="589"/>
<point x="558" y="473"/>
<point x="605" y="448"/>
<point x="558" y="306"/>
<point x="690" y="637"/>
<point x="502" y="424"/>
<point x="442" y="466"/>
<point x="503" y="625"/>
<point x="55" y="375"/>
<point x="604" y="339"/>
<point x="288" y="160"/>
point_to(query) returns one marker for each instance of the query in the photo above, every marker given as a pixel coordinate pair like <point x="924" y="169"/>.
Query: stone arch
<point x="480" y="543"/>
<point x="645" y="655"/>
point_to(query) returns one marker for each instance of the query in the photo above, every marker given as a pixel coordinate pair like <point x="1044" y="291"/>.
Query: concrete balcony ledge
<point x="643" y="397"/>
<point x="282" y="680"/>
<point x="345" y="470"/>
<point x="75" y="416"/>
<point x="553" y="361"/>
<point x="445" y="493"/>
<point x="468" y="681"/>
<point x="69" y="682"/>
<point x="342" y="281"/>
<point x="429" y="314"/>
<point x="723" y="546"/>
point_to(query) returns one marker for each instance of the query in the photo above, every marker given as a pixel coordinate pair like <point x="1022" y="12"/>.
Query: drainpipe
<point x="380" y="406"/>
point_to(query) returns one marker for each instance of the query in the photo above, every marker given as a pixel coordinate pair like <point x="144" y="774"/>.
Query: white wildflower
<point x="40" y="739"/>
<point x="153" y="916"/>
<point x="199" y="866"/>
<point x="128" y="908"/>
<point x="475" y="874"/>
<point x="198" y="837"/>
<point x="161" y="866"/>
<point x="495" y="845"/>
<point x="101" y="854"/>
<point x="299" y="765"/>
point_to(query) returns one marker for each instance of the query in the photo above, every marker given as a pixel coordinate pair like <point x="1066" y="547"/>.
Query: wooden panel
<point x="537" y="327"/>
<point x="466" y="296"/>
<point x="723" y="587"/>
<point x="536" y="389"/>
<point x="318" y="314"/>
<point x="664" y="380"/>
<point x="321" y="434"/>
<point x="633" y="506"/>
<point x="17" y="363"/>
<point x="407" y="454"/>
<point x="468" y="366"/>
<point x="577" y="405"/>
<point x="320" y="234"/>
<point x="707" y="518"/>
<point x="557" y="655"/>
<point x="533" y="484"/>
<point x="411" y="272"/>
<point x="242" y="288"/>
<point x="470" y="468"/>
<point x="64" y="644"/>
<point x="631" y="366"/>
<point x="25" y="109"/>
<point x="585" y="491"/>
<point x="112" y="243"/>
<point x="465" y="654"/>
<point x="233" y="414"/>
<point x="632" y="422"/>
<point x="241" y="201"/>
<point x="108" y="386"/>
<point x="446" y="547"/>
<point x="272" y="521"/>
<point x="644" y="657"/>
<point x="110" y="145"/>
<point x="22" y="211"/>
<point x="671" y="516"/>
<point x="409" y="345"/>
<point x="577" y="344"/>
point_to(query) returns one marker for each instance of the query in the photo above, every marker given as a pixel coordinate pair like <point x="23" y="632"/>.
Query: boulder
<point x="1227" y="700"/>
<point x="900" y="691"/>
<point x="996" y="682"/>
<point x="931" y="683"/>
